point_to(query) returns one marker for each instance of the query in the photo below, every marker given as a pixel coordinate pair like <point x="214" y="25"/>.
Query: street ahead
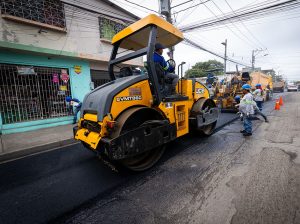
<point x="42" y="187"/>
<point x="194" y="182"/>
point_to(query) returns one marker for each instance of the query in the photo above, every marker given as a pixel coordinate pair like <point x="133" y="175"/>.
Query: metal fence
<point x="32" y="93"/>
<point x="50" y="12"/>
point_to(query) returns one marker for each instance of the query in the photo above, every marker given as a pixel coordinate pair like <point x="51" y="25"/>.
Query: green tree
<point x="200" y="69"/>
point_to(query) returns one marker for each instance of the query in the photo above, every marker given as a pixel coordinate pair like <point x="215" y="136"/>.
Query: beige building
<point x="50" y="49"/>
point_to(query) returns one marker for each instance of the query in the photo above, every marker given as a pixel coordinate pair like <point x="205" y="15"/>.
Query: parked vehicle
<point x="291" y="86"/>
<point x="278" y="86"/>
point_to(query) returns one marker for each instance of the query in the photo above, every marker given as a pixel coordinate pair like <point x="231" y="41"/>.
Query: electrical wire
<point x="132" y="7"/>
<point x="184" y="15"/>
<point x="201" y="3"/>
<point x="244" y="14"/>
<point x="236" y="27"/>
<point x="231" y="30"/>
<point x="101" y="10"/>
<point x="181" y="4"/>
<point x="196" y="45"/>
<point x="67" y="37"/>
<point x="141" y="6"/>
<point x="249" y="31"/>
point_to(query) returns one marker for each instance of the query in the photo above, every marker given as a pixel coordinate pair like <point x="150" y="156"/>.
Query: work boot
<point x="247" y="134"/>
<point x="243" y="131"/>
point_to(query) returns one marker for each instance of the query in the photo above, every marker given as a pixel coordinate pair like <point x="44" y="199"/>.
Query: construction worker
<point x="246" y="108"/>
<point x="258" y="96"/>
<point x="158" y="58"/>
<point x="256" y="109"/>
<point x="75" y="105"/>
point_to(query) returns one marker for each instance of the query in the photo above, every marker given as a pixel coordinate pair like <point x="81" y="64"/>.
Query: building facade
<point x="50" y="49"/>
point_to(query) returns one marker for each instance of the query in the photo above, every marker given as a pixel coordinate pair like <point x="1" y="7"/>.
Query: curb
<point x="33" y="150"/>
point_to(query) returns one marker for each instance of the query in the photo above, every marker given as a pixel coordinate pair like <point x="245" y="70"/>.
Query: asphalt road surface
<point x="225" y="178"/>
<point x="57" y="185"/>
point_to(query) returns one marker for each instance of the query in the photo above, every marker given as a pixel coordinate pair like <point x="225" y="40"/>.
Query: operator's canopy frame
<point x="140" y="39"/>
<point x="135" y="36"/>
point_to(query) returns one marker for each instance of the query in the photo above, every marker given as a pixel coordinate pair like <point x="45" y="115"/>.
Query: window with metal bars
<point x="49" y="12"/>
<point x="30" y="93"/>
<point x="108" y="28"/>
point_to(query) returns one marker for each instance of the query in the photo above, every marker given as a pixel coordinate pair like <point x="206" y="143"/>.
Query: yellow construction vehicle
<point x="228" y="89"/>
<point x="130" y="119"/>
<point x="266" y="82"/>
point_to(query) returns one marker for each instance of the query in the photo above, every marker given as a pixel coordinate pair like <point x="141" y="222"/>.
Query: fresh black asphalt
<point x="42" y="187"/>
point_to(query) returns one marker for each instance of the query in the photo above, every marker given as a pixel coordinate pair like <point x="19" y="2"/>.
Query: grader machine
<point x="129" y="120"/>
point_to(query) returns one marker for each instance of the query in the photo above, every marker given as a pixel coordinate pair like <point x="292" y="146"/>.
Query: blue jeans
<point x="259" y="104"/>
<point x="76" y="110"/>
<point x="247" y="124"/>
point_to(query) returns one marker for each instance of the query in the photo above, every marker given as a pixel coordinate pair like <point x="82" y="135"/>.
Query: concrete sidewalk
<point x="16" y="145"/>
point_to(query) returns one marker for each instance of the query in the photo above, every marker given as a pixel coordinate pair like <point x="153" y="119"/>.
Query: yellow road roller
<point x="129" y="120"/>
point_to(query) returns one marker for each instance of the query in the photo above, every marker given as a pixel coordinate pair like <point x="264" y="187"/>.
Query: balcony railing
<point x="49" y="12"/>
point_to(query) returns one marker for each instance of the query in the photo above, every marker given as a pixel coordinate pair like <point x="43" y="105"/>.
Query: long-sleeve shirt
<point x="246" y="105"/>
<point x="258" y="95"/>
<point x="160" y="59"/>
<point x="75" y="102"/>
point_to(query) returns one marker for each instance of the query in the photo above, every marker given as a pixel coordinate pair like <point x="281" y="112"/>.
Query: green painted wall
<point x="80" y="84"/>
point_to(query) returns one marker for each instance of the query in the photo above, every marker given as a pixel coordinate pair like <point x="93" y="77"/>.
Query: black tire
<point x="199" y="105"/>
<point x="135" y="118"/>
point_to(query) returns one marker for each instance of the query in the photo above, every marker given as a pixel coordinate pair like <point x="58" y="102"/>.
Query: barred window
<point x="30" y="93"/>
<point x="108" y="28"/>
<point x="49" y="12"/>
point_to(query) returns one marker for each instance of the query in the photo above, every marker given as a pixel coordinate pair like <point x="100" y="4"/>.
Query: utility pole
<point x="225" y="55"/>
<point x="253" y="60"/>
<point x="165" y="9"/>
<point x="254" y="55"/>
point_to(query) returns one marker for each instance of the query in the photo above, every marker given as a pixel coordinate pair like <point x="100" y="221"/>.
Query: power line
<point x="181" y="4"/>
<point x="141" y="6"/>
<point x="225" y="24"/>
<point x="245" y="14"/>
<point x="102" y="11"/>
<point x="67" y="37"/>
<point x="191" y="7"/>
<point x="234" y="24"/>
<point x="185" y="15"/>
<point x="194" y="44"/>
<point x="132" y="7"/>
<point x="249" y="31"/>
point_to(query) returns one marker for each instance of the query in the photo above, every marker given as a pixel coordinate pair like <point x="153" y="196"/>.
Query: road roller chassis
<point x="129" y="120"/>
<point x="139" y="140"/>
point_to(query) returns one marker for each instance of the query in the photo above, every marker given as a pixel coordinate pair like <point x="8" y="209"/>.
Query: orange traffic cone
<point x="277" y="105"/>
<point x="280" y="101"/>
